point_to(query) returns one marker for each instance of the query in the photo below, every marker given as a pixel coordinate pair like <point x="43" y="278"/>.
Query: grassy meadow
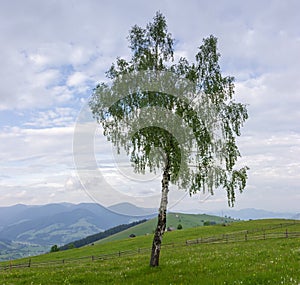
<point x="173" y="220"/>
<point x="255" y="261"/>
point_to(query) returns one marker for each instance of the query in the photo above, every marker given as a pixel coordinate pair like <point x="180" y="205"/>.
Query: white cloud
<point x="53" y="53"/>
<point x="44" y="194"/>
<point x="28" y="153"/>
<point x="273" y="100"/>
<point x="57" y="117"/>
<point x="77" y="78"/>
<point x="79" y="82"/>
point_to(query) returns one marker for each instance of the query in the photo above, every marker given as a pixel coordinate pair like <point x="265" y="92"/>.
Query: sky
<point x="53" y="53"/>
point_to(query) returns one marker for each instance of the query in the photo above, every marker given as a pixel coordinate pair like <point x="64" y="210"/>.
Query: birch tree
<point x="178" y="117"/>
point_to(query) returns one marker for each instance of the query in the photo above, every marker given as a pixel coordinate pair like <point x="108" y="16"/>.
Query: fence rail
<point x="241" y="236"/>
<point x="238" y="236"/>
<point x="245" y="237"/>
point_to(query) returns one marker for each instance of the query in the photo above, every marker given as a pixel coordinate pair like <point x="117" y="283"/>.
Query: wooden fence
<point x="241" y="236"/>
<point x="244" y="237"/>
<point x="254" y="234"/>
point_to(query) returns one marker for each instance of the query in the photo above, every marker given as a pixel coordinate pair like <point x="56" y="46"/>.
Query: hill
<point x="29" y="230"/>
<point x="96" y="237"/>
<point x="36" y="223"/>
<point x="252" y="252"/>
<point x="173" y="220"/>
<point x="132" y="210"/>
<point x="144" y="227"/>
<point x="254" y="214"/>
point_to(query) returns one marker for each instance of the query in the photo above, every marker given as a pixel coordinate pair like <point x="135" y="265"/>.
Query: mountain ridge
<point x="33" y="229"/>
<point x="254" y="214"/>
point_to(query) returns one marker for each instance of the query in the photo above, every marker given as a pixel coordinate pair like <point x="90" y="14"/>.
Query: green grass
<point x="273" y="261"/>
<point x="173" y="220"/>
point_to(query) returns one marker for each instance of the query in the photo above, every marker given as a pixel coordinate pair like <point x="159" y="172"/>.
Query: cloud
<point x="57" y="117"/>
<point x="51" y="48"/>
<point x="32" y="154"/>
<point x="44" y="194"/>
<point x="273" y="100"/>
<point x="76" y="79"/>
<point x="54" y="53"/>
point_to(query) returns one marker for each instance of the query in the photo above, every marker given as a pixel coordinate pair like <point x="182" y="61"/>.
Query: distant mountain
<point x="24" y="227"/>
<point x="296" y="217"/>
<point x="4" y="244"/>
<point x="132" y="210"/>
<point x="19" y="213"/>
<point x="254" y="214"/>
<point x="99" y="236"/>
<point x="8" y="214"/>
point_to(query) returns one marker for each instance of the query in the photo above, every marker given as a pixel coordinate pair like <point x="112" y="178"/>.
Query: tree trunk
<point x="162" y="218"/>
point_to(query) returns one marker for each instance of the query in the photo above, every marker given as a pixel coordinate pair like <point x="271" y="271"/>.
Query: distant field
<point x="254" y="260"/>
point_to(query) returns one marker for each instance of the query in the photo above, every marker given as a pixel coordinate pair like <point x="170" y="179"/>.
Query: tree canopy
<point x="176" y="116"/>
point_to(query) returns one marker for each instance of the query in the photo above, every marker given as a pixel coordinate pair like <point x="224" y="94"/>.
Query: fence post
<point x="286" y="233"/>
<point x="246" y="237"/>
<point x="93" y="258"/>
<point x="29" y="262"/>
<point x="63" y="261"/>
<point x="119" y="253"/>
<point x="264" y="234"/>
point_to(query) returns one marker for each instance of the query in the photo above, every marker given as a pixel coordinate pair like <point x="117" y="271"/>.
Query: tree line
<point x="95" y="237"/>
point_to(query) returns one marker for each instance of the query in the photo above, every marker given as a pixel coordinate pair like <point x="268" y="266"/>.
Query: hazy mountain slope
<point x="132" y="210"/>
<point x="57" y="223"/>
<point x="254" y="214"/>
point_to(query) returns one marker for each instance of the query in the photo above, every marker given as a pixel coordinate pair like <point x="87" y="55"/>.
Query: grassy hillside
<point x="255" y="261"/>
<point x="173" y="220"/>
